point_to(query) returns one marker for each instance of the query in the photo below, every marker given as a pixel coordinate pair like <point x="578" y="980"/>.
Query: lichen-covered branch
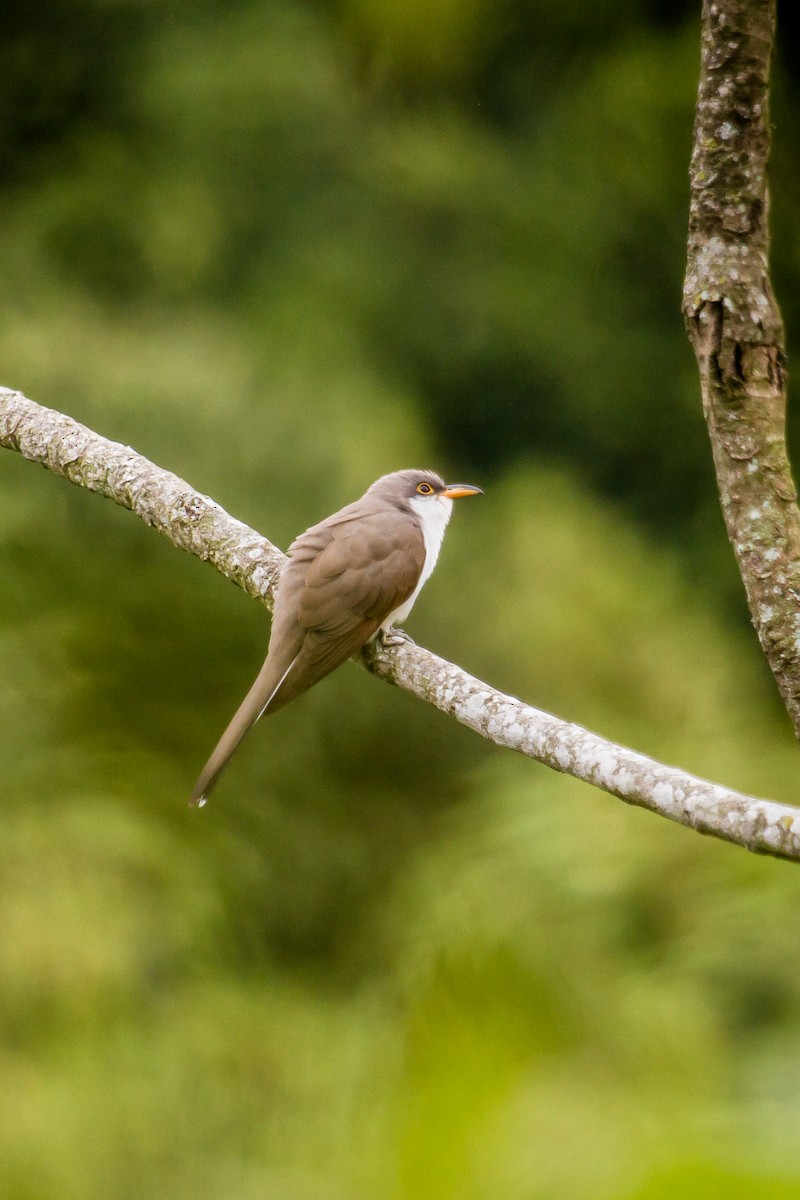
<point x="195" y="523"/>
<point x="735" y="326"/>
<point x="760" y="825"/>
<point x="190" y="520"/>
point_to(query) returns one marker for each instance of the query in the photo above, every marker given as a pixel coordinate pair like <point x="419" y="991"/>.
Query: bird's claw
<point x="394" y="637"/>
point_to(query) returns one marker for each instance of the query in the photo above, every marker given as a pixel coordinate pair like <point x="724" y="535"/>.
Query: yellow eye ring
<point x="424" y="489"/>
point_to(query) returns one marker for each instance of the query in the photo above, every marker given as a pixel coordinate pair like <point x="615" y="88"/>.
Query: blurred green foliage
<point x="282" y="248"/>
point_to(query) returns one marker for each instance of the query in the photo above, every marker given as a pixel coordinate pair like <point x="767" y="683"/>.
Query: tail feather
<point x="252" y="707"/>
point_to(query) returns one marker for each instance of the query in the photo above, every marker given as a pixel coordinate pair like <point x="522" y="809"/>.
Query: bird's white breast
<point x="433" y="517"/>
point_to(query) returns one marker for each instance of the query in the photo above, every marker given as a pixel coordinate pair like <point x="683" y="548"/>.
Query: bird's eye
<point x="424" y="489"/>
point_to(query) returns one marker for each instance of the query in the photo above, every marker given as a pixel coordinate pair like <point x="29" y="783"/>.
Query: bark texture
<point x="190" y="520"/>
<point x="195" y="523"/>
<point x="735" y="326"/>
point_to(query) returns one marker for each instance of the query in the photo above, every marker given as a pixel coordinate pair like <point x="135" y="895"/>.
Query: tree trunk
<point x="736" y="329"/>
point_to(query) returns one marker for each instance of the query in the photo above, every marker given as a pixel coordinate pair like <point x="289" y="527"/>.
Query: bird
<point x="347" y="581"/>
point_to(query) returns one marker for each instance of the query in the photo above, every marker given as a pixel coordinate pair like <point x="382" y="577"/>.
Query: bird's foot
<point x="394" y="637"/>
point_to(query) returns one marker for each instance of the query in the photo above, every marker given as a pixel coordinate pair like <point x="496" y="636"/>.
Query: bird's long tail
<point x="252" y="707"/>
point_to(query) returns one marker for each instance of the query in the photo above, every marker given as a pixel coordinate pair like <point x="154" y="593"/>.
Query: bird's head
<point x="419" y="489"/>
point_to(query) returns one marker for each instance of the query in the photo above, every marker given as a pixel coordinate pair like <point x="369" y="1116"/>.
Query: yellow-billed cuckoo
<point x="347" y="580"/>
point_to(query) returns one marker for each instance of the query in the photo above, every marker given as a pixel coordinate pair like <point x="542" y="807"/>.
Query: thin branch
<point x="189" y="519"/>
<point x="195" y="523"/>
<point x="735" y="326"/>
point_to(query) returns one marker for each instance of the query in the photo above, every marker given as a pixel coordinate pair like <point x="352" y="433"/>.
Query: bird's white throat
<point x="433" y="514"/>
<point x="433" y="517"/>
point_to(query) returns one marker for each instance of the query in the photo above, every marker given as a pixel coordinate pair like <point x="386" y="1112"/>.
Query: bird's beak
<point x="454" y="491"/>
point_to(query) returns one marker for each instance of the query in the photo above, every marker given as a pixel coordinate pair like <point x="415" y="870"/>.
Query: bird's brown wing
<point x="343" y="579"/>
<point x="344" y="591"/>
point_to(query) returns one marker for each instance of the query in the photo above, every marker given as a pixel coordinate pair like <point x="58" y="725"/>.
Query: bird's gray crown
<point x="403" y="485"/>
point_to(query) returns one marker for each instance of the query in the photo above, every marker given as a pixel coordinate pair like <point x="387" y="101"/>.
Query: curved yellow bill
<point x="454" y="491"/>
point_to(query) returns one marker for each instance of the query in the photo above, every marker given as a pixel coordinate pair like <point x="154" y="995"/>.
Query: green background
<point x="282" y="248"/>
